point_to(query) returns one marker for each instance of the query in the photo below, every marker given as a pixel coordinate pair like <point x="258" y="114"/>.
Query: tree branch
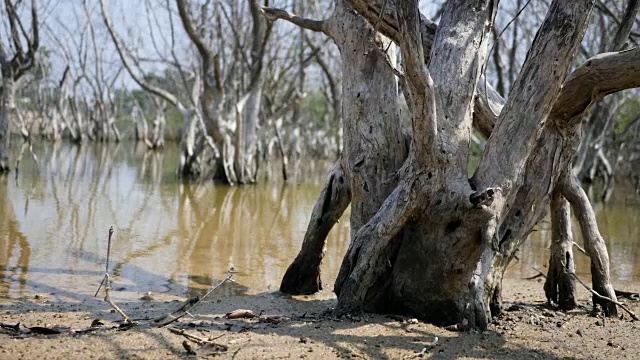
<point x="274" y="14"/>
<point x="203" y="49"/>
<point x="599" y="76"/>
<point x="622" y="35"/>
<point x="519" y="125"/>
<point x="122" y="52"/>
<point x="419" y="83"/>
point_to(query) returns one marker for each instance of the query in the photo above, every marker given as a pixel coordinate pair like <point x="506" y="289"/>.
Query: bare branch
<point x="599" y="76"/>
<point x="420" y="84"/>
<point x="128" y="64"/>
<point x="527" y="108"/>
<point x="622" y="35"/>
<point x="274" y="14"/>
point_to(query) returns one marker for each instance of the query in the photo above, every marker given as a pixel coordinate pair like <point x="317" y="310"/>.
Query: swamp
<point x="376" y="179"/>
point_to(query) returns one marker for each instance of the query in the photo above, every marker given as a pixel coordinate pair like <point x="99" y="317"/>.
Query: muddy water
<point x="179" y="239"/>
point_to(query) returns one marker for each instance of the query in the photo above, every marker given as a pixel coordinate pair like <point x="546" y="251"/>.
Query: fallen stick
<point x="186" y="309"/>
<point x="595" y="293"/>
<point x="107" y="298"/>
<point x="180" y="308"/>
<point x="540" y="274"/>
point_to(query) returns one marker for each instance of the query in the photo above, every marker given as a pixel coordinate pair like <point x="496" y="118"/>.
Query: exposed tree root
<point x="366" y="258"/>
<point x="303" y="275"/>
<point x="560" y="285"/>
<point x="594" y="244"/>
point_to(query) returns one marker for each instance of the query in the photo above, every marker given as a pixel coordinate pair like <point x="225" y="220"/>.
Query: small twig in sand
<point x="107" y="287"/>
<point x="198" y="339"/>
<point x="595" y="293"/>
<point x="540" y="274"/>
<point x="186" y="307"/>
<point x="106" y="281"/>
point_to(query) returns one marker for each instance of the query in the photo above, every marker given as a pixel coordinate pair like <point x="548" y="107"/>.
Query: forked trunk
<point x="427" y="241"/>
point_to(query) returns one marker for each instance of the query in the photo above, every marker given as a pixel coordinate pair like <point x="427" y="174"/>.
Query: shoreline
<point x="526" y="329"/>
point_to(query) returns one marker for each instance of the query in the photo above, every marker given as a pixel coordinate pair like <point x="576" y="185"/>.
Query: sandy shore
<point x="527" y="330"/>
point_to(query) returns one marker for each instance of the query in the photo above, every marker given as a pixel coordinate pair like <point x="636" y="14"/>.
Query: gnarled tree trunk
<point x="438" y="245"/>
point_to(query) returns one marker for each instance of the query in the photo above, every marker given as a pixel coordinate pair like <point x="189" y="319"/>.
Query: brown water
<point x="181" y="238"/>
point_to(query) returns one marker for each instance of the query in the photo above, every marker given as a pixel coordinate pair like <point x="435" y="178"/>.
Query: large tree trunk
<point x="437" y="246"/>
<point x="375" y="146"/>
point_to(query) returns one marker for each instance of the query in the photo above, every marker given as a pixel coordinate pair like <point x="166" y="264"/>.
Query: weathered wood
<point x="560" y="287"/>
<point x="303" y="275"/>
<point x="438" y="245"/>
<point x="374" y="144"/>
<point x="593" y="242"/>
<point x="442" y="172"/>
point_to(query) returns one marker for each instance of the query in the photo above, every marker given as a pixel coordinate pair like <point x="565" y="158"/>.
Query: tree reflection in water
<point x="182" y="238"/>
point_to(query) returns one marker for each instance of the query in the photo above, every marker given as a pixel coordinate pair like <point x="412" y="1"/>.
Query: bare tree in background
<point x="18" y="47"/>
<point x="221" y="120"/>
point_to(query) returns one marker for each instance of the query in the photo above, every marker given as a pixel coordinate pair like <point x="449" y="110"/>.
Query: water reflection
<point x="182" y="238"/>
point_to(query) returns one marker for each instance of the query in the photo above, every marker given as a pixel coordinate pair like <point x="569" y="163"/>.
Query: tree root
<point x="559" y="286"/>
<point x="366" y="258"/>
<point x="303" y="275"/>
<point x="594" y="243"/>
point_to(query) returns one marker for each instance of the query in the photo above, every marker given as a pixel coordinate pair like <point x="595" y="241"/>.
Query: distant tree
<point x="18" y="47"/>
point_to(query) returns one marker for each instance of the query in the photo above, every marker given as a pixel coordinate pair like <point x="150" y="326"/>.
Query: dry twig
<point x="198" y="339"/>
<point x="106" y="281"/>
<point x="186" y="307"/>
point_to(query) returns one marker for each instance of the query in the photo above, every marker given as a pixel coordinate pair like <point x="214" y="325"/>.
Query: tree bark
<point x="303" y="275"/>
<point x="560" y="285"/>
<point x="374" y="144"/>
<point x="593" y="242"/>
<point x="437" y="246"/>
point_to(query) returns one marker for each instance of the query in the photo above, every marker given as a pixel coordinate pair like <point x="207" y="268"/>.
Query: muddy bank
<point x="527" y="330"/>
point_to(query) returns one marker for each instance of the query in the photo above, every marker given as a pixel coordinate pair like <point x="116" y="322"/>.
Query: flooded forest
<point x="380" y="179"/>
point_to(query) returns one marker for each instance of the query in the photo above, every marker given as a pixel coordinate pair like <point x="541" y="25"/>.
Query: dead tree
<point x="595" y="156"/>
<point x="15" y="61"/>
<point x="437" y="245"/>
